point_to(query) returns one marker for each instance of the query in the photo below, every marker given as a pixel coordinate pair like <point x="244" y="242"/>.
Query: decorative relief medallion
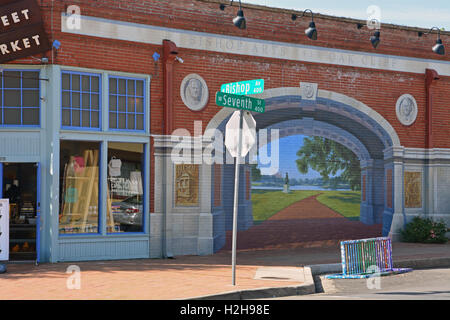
<point x="186" y="185"/>
<point x="406" y="109"/>
<point x="413" y="189"/>
<point x="308" y="90"/>
<point x="194" y="92"/>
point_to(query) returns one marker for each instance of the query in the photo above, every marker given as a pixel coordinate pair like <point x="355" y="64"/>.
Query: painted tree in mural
<point x="329" y="158"/>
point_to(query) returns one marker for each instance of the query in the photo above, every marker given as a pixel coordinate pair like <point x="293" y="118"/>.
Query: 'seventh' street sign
<point x="240" y="102"/>
<point x="244" y="87"/>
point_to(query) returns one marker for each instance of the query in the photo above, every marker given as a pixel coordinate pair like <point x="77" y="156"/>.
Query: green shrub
<point x="424" y="230"/>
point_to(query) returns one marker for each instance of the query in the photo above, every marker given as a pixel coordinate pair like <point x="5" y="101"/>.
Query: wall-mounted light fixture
<point x="239" y="21"/>
<point x="438" y="48"/>
<point x="375" y="38"/>
<point x="311" y="31"/>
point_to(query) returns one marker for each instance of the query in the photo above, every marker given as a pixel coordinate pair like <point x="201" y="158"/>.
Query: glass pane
<point x="125" y="209"/>
<point x="76" y="118"/>
<point x="11" y="79"/>
<point x="112" y="85"/>
<point x="66" y="99"/>
<point x="113" y="120"/>
<point x="30" y="98"/>
<point x="79" y="191"/>
<point x="86" y="101"/>
<point x="122" y="104"/>
<point x="95" y="84"/>
<point x="112" y="103"/>
<point x="139" y="105"/>
<point x="66" y="81"/>
<point x="95" y="101"/>
<point x="86" y="121"/>
<point x="139" y="122"/>
<point x="12" y="98"/>
<point x="30" y="116"/>
<point x="76" y="82"/>
<point x="122" y="86"/>
<point x="1" y="115"/>
<point x="12" y="116"/>
<point x="85" y="83"/>
<point x="122" y="121"/>
<point x="130" y="121"/>
<point x="95" y="120"/>
<point x="30" y="79"/>
<point x="140" y="88"/>
<point x="130" y="87"/>
<point x="130" y="106"/>
<point x="75" y="100"/>
<point x="66" y="117"/>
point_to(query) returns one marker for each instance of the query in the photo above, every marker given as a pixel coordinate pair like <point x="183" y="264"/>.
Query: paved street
<point x="430" y="284"/>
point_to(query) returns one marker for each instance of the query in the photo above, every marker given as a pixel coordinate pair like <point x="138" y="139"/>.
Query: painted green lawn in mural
<point x="346" y="203"/>
<point x="266" y="203"/>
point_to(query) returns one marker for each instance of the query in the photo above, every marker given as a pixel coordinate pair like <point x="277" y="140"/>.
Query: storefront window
<point x="80" y="100"/>
<point x="125" y="207"/>
<point x="126" y="104"/>
<point x="19" y="98"/>
<point x="79" y="186"/>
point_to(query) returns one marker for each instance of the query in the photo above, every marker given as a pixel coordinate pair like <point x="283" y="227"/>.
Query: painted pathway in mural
<point x="306" y="223"/>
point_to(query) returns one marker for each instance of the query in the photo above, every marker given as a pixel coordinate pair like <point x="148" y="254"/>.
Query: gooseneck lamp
<point x="239" y="20"/>
<point x="438" y="48"/>
<point x="311" y="31"/>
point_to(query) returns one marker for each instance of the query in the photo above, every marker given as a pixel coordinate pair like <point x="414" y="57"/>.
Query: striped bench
<point x="366" y="258"/>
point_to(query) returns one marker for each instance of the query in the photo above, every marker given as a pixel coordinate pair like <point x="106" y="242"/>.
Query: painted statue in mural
<point x="186" y="185"/>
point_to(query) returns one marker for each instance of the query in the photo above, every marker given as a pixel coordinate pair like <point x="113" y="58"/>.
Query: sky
<point x="413" y="13"/>
<point x="288" y="147"/>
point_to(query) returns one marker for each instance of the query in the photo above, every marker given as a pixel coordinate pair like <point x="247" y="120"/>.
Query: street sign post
<point x="240" y="102"/>
<point x="232" y="95"/>
<point x="244" y="87"/>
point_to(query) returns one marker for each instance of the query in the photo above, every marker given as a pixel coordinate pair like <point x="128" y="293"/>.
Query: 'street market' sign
<point x="22" y="32"/>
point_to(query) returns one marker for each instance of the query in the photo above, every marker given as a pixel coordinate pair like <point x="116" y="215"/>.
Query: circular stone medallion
<point x="406" y="109"/>
<point x="194" y="92"/>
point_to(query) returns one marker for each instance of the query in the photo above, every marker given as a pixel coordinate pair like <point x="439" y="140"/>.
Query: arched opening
<point x="333" y="116"/>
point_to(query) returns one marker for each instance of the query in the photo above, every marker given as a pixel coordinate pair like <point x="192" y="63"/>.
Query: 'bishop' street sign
<point x="244" y="87"/>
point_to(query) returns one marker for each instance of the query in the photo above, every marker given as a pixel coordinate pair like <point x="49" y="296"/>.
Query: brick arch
<point x="373" y="120"/>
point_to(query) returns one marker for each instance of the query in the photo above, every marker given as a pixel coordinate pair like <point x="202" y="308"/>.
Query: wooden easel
<point x="86" y="184"/>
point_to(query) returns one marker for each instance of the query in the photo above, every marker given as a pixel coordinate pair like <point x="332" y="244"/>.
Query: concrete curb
<point x="308" y="287"/>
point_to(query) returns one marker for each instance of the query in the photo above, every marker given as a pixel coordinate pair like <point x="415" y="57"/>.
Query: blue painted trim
<point x="38" y="212"/>
<point x="81" y="109"/>
<point x="1" y="180"/>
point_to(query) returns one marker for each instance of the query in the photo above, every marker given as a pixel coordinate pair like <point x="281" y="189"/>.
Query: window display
<point x="79" y="185"/>
<point x="125" y="187"/>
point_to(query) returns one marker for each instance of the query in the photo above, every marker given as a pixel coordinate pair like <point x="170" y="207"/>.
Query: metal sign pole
<point x="236" y="200"/>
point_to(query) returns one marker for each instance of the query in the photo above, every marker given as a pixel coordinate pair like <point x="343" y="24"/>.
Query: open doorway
<point x="20" y="186"/>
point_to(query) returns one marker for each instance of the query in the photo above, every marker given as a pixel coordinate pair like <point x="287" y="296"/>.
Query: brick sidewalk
<point x="180" y="278"/>
<point x="306" y="223"/>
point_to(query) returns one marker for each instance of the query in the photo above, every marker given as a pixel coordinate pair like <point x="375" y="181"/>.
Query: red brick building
<point x="338" y="86"/>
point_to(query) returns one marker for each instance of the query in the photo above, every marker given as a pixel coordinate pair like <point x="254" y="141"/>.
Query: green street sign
<point x="244" y="87"/>
<point x="240" y="102"/>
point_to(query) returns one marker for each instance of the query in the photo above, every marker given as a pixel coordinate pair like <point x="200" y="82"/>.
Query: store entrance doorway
<point x="20" y="184"/>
